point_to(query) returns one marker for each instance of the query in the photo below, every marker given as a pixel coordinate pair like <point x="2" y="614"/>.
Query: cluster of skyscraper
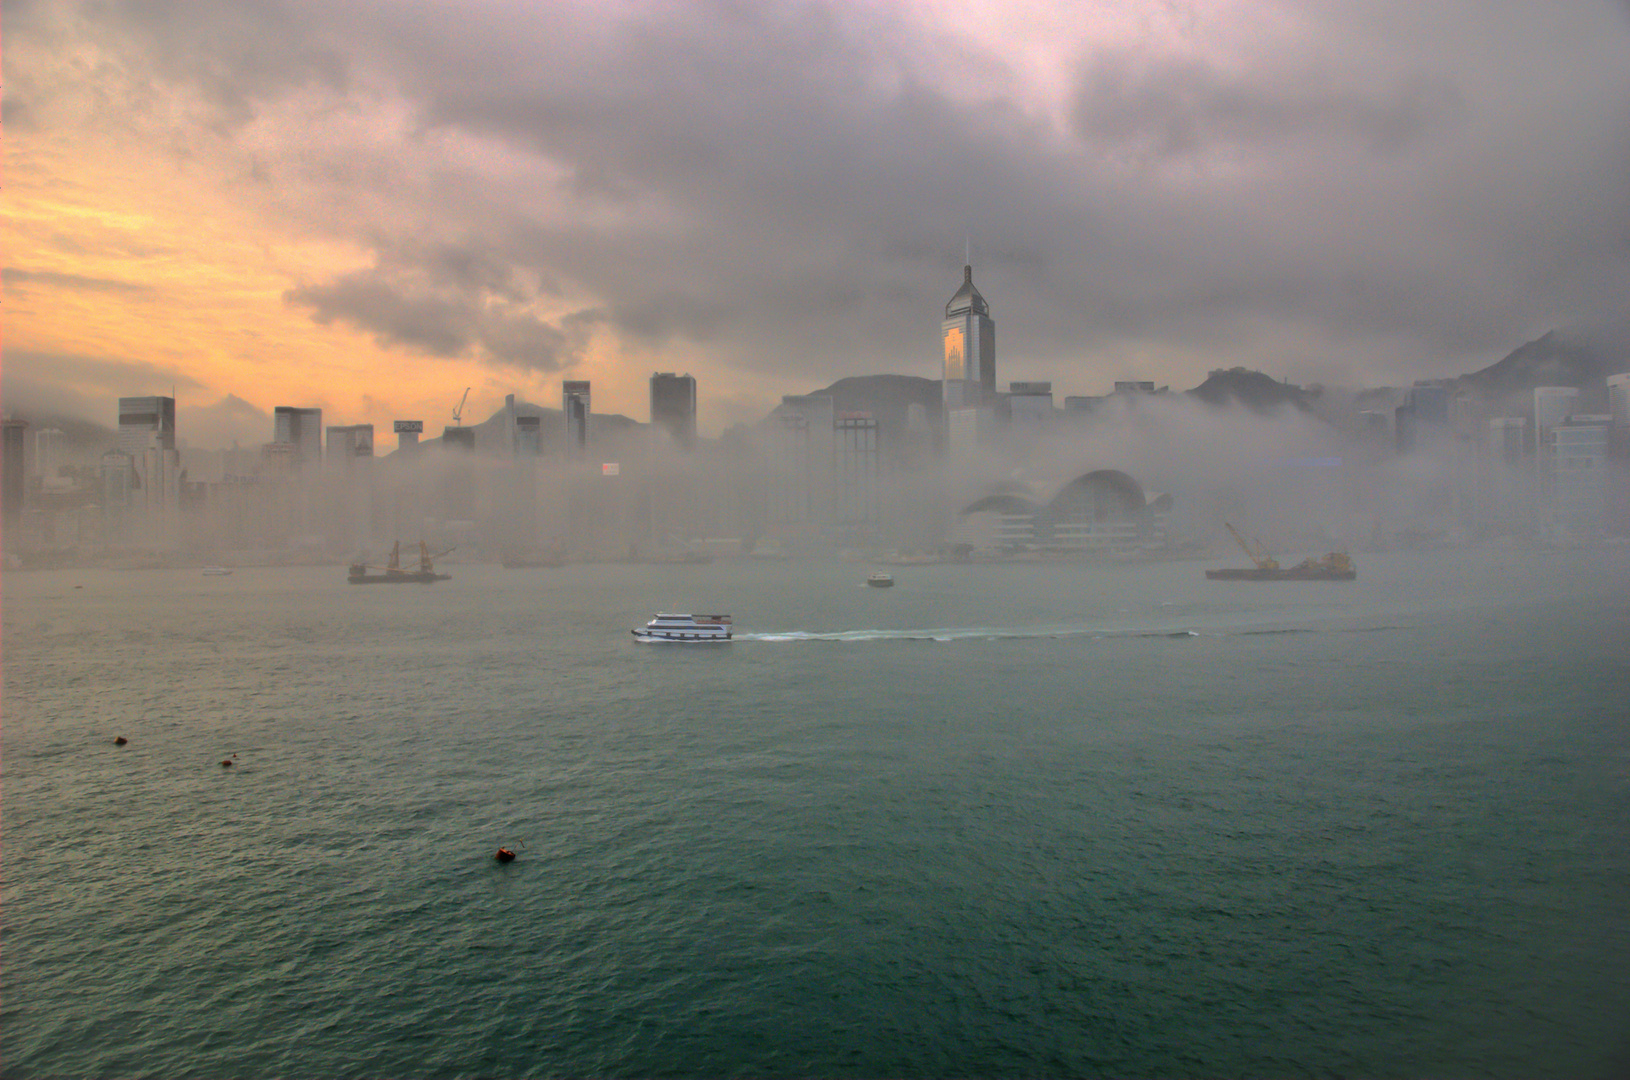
<point x="309" y="483"/>
<point x="815" y="473"/>
<point x="1546" y="471"/>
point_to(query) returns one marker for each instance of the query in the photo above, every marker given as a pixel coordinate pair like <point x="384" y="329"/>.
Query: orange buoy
<point x="226" y="763"/>
<point x="120" y="741"/>
<point x="505" y="855"/>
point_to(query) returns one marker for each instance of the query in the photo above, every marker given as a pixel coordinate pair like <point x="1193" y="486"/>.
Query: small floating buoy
<point x="226" y="763"/>
<point x="505" y="855"/>
<point x="120" y="741"/>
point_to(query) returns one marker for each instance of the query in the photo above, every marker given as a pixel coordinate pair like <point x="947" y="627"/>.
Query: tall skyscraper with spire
<point x="968" y="341"/>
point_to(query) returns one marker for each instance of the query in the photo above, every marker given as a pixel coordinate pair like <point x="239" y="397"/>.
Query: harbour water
<point x="995" y="821"/>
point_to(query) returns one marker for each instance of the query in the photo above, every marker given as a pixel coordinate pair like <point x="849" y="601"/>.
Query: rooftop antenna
<point x="967" y="250"/>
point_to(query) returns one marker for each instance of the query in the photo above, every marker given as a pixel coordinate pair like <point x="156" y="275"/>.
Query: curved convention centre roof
<point x="1091" y="491"/>
<point x="1002" y="504"/>
<point x="1101" y="502"/>
<point x="1096" y="493"/>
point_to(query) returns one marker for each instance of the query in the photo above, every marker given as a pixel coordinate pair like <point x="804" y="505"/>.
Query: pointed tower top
<point x="967" y="298"/>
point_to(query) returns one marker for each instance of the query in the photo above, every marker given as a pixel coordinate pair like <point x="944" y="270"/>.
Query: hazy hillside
<point x="611" y="429"/>
<point x="81" y="433"/>
<point x="84" y="441"/>
<point x="1559" y="358"/>
<point x="1258" y="392"/>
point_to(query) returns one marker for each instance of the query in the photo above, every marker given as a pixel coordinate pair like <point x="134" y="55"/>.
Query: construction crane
<point x="1254" y="549"/>
<point x="458" y="413"/>
<point x="425" y="557"/>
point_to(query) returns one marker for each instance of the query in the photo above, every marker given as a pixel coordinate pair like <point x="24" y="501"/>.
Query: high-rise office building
<point x="117" y="475"/>
<point x="1507" y="439"/>
<point x="857" y="470"/>
<point x="528" y="436"/>
<point x="1030" y="405"/>
<point x="1468" y="413"/>
<point x="350" y="460"/>
<point x="1406" y="437"/>
<point x="15" y="480"/>
<point x="301" y="429"/>
<point x="575" y="406"/>
<point x="1505" y="484"/>
<point x="800" y="463"/>
<point x="407" y="434"/>
<point x="968" y="348"/>
<point x="350" y="443"/>
<point x="1618" y="400"/>
<point x="279" y="461"/>
<point x="673" y="407"/>
<point x="147" y="436"/>
<point x="967" y="428"/>
<point x="146" y="423"/>
<point x="1552" y="406"/>
<point x="1423" y="418"/>
<point x="1430" y="399"/>
<point x="1573" y="468"/>
<point x="50" y="452"/>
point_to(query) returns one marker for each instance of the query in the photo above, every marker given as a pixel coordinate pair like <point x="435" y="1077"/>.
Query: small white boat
<point x="666" y="629"/>
<point x="880" y="580"/>
<point x="216" y="571"/>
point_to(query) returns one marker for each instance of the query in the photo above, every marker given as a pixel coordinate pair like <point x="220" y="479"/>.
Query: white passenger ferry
<point x="684" y="629"/>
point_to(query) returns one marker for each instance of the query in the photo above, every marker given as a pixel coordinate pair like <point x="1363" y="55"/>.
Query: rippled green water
<point x="1008" y="821"/>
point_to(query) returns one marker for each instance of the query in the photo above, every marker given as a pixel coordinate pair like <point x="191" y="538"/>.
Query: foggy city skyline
<point x="915" y="538"/>
<point x="249" y="203"/>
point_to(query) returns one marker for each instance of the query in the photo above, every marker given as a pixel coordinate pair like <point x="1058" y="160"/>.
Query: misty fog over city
<point x="870" y="466"/>
<point x="985" y="540"/>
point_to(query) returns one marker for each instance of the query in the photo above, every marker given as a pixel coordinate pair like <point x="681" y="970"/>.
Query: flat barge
<point x="1336" y="566"/>
<point x="1305" y="572"/>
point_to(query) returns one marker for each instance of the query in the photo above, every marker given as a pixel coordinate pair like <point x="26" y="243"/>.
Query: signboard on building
<point x="611" y="468"/>
<point x="409" y="427"/>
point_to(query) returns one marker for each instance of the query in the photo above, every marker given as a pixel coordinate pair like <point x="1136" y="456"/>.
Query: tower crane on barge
<point x="1254" y="549"/>
<point x="1336" y="566"/>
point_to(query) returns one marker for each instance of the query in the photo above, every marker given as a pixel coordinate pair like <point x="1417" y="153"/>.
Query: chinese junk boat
<point x="393" y="574"/>
<point x="684" y="630"/>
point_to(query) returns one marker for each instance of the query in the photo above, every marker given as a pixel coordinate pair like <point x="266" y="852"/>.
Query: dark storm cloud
<point x="449" y="302"/>
<point x="429" y="324"/>
<point x="791" y="185"/>
<point x="663" y="318"/>
<point x="236" y="54"/>
<point x="1169" y="108"/>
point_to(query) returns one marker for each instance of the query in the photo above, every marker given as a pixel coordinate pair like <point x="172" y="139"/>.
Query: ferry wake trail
<point x="972" y="633"/>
